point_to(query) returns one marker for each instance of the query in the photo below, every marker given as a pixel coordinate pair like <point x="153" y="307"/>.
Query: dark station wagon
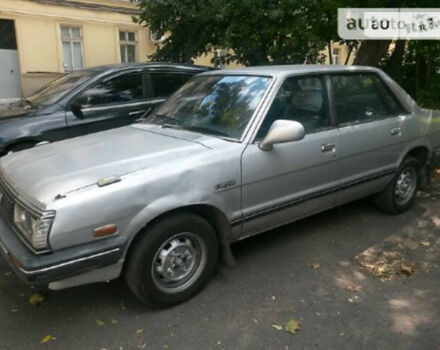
<point x="90" y="100"/>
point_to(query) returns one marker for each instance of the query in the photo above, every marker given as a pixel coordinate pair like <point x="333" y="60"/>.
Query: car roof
<point x="150" y="65"/>
<point x="283" y="70"/>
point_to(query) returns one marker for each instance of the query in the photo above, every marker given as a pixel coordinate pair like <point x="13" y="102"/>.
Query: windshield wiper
<point x="171" y="126"/>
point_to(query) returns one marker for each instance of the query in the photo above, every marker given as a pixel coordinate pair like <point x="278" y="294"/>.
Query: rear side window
<point x="362" y="98"/>
<point x="164" y="84"/>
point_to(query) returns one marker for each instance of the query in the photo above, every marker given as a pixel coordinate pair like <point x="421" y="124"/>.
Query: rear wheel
<point x="172" y="260"/>
<point x="399" y="195"/>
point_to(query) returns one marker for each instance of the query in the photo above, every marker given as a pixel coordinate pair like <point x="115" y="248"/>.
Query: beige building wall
<point x="38" y="32"/>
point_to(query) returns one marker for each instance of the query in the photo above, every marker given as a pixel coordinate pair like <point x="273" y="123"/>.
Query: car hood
<point x="41" y="173"/>
<point x="15" y="110"/>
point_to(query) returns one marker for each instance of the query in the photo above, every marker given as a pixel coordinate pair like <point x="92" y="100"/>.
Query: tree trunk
<point x="371" y="52"/>
<point x="350" y="50"/>
<point x="397" y="55"/>
<point x="329" y="48"/>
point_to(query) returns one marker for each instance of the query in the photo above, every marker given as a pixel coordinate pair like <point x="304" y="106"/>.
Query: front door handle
<point x="395" y="132"/>
<point x="132" y="113"/>
<point x="328" y="147"/>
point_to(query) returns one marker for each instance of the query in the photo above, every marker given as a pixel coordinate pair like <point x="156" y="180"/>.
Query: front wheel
<point x="172" y="260"/>
<point x="399" y="195"/>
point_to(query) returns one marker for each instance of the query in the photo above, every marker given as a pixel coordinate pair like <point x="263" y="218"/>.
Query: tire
<point x="172" y="260"/>
<point x="400" y="193"/>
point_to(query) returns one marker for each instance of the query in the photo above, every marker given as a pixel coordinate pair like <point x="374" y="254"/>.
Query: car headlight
<point x="36" y="230"/>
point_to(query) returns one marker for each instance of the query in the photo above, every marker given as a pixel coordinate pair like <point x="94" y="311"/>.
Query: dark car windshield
<point x="219" y="105"/>
<point x="55" y="90"/>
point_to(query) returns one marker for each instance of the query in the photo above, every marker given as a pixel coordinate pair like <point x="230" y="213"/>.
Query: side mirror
<point x="282" y="131"/>
<point x="76" y="108"/>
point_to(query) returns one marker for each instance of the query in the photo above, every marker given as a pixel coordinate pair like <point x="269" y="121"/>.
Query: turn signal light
<point x="105" y="230"/>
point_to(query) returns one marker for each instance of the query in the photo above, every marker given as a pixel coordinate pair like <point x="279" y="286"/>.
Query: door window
<point x="362" y="98"/>
<point x="7" y="39"/>
<point x="164" y="84"/>
<point x="121" y="89"/>
<point x="302" y="99"/>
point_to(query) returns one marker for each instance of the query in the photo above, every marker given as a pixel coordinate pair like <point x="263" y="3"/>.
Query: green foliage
<point x="255" y="31"/>
<point x="417" y="71"/>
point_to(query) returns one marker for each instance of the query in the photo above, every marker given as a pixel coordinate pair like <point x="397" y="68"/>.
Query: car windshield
<point x="55" y="90"/>
<point x="220" y="105"/>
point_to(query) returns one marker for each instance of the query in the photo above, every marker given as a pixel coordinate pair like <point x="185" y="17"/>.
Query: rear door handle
<point x="328" y="147"/>
<point x="395" y="132"/>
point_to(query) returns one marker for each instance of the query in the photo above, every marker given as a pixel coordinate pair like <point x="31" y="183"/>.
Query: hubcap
<point x="405" y="186"/>
<point x="178" y="262"/>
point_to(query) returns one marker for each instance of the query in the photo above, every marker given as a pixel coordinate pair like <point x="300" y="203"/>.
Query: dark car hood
<point x="15" y="110"/>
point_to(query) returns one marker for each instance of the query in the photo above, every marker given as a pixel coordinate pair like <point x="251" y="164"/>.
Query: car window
<point x="302" y="99"/>
<point x="362" y="98"/>
<point x="165" y="84"/>
<point x="220" y="105"/>
<point x="121" y="89"/>
<point x="57" y="89"/>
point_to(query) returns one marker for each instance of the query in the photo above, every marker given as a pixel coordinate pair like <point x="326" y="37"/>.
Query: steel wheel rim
<point x="405" y="186"/>
<point x="178" y="262"/>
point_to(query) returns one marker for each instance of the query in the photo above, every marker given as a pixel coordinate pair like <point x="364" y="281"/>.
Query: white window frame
<point x="71" y="41"/>
<point x="123" y="44"/>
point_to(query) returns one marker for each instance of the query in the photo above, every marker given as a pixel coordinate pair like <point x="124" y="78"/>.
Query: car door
<point x="370" y="120"/>
<point x="109" y="103"/>
<point x="293" y="179"/>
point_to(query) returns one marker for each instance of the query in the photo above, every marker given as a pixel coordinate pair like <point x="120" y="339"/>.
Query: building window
<point x="335" y="54"/>
<point x="128" y="43"/>
<point x="71" y="39"/>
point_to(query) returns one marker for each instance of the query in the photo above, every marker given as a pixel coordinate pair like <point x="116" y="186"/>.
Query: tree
<point x="252" y="31"/>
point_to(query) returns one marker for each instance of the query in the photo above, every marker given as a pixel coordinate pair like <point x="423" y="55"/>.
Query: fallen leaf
<point x="139" y="331"/>
<point x="425" y="243"/>
<point x="353" y="288"/>
<point x="8" y="273"/>
<point x="100" y="323"/>
<point x="36" y="299"/>
<point x="292" y="326"/>
<point x="407" y="269"/>
<point x="46" y="339"/>
<point x="113" y="321"/>
<point x="316" y="266"/>
<point x="277" y="326"/>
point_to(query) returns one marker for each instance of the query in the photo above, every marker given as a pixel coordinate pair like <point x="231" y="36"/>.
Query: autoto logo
<point x="388" y="23"/>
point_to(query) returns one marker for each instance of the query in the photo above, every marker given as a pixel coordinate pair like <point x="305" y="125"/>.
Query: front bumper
<point x="45" y="268"/>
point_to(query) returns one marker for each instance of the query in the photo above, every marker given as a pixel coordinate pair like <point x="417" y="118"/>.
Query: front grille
<point x="6" y="204"/>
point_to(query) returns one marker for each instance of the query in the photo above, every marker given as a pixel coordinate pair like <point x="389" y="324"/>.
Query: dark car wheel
<point x="172" y="260"/>
<point x="399" y="195"/>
